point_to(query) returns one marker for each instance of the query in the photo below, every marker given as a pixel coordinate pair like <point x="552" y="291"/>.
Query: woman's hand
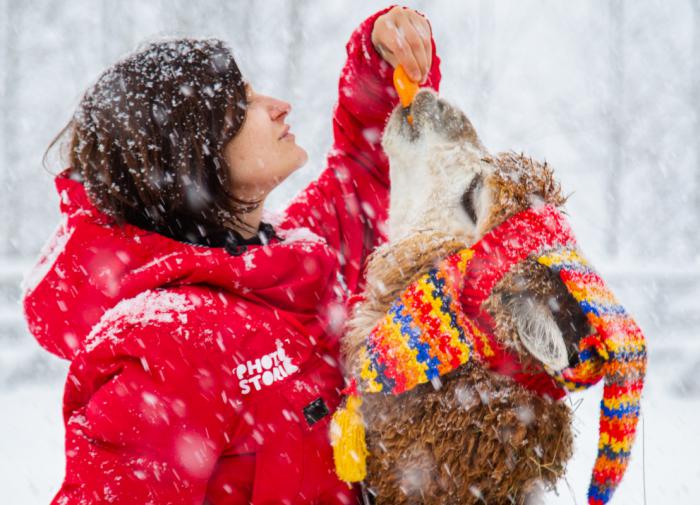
<point x="402" y="37"/>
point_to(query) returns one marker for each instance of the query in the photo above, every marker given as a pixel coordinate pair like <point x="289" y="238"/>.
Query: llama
<point x="474" y="434"/>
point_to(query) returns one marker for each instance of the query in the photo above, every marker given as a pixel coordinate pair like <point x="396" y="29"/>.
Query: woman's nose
<point x="280" y="109"/>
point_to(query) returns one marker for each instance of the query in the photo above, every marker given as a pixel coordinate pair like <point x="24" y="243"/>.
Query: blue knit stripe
<point x="600" y="309"/>
<point x="408" y="325"/>
<point x="602" y="494"/>
<point x="440" y="294"/>
<point x="375" y="364"/>
<point x="625" y="409"/>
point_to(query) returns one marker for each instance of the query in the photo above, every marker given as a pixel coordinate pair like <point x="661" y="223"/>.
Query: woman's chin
<point x="295" y="161"/>
<point x="302" y="158"/>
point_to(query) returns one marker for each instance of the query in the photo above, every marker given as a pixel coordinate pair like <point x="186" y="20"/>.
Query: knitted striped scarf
<point x="437" y="324"/>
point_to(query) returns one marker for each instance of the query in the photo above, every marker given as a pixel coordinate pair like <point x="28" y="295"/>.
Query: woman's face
<point x="263" y="152"/>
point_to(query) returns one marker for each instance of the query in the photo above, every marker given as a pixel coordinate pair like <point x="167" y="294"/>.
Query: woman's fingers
<point x="405" y="48"/>
<point x="416" y="31"/>
<point x="417" y="50"/>
<point x="402" y="36"/>
<point x="423" y="30"/>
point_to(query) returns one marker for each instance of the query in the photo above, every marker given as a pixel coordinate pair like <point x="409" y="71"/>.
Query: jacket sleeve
<point x="348" y="204"/>
<point x="140" y="429"/>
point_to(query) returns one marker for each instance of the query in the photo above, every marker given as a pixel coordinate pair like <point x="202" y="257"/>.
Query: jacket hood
<point x="90" y="264"/>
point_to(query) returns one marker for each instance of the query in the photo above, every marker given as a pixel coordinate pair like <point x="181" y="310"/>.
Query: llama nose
<point x="425" y="103"/>
<point x="425" y="97"/>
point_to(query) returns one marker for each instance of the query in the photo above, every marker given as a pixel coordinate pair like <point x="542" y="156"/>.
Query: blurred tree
<point x="10" y="203"/>
<point x="295" y="22"/>
<point x="117" y="29"/>
<point x="695" y="101"/>
<point x="485" y="61"/>
<point x="616" y="112"/>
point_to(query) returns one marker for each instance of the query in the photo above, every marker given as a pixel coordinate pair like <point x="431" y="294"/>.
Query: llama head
<point x="444" y="180"/>
<point x="437" y="172"/>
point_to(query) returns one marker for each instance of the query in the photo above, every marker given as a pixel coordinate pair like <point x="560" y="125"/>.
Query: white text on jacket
<point x="264" y="371"/>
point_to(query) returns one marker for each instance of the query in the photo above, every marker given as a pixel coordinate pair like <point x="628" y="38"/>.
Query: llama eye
<point x="469" y="196"/>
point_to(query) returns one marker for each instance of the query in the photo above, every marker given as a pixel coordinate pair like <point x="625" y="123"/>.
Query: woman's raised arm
<point x="348" y="203"/>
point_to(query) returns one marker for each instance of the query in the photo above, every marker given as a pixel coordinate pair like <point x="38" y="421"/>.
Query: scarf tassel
<point x="348" y="439"/>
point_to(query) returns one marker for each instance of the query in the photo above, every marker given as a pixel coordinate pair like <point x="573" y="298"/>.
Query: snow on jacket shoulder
<point x="199" y="377"/>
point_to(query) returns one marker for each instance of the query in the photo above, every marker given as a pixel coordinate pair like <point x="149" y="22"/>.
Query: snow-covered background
<point x="607" y="92"/>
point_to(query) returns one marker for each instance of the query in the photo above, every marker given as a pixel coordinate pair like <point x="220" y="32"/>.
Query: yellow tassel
<point x="348" y="441"/>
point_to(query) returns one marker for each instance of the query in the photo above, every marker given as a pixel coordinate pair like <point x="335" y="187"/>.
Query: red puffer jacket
<point x="200" y="377"/>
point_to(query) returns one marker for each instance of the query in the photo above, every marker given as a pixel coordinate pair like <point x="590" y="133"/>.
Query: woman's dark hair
<point x="147" y="139"/>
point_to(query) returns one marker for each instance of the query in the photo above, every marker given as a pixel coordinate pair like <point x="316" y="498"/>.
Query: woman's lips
<point x="285" y="133"/>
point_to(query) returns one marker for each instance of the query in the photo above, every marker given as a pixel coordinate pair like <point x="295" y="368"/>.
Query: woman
<point x="204" y="341"/>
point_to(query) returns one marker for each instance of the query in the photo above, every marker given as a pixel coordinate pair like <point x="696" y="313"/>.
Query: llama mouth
<point x="423" y="110"/>
<point x="409" y="129"/>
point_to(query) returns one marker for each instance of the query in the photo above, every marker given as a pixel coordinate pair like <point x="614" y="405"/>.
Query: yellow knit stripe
<point x="483" y="342"/>
<point x="368" y="374"/>
<point x="592" y="292"/>
<point x="465" y="256"/>
<point x="622" y="400"/>
<point x="617" y="445"/>
<point x="447" y="325"/>
<point x="446" y="328"/>
<point x="408" y="366"/>
<point x="561" y="256"/>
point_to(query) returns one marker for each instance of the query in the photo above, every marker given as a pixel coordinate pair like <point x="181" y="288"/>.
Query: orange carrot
<point x="405" y="88"/>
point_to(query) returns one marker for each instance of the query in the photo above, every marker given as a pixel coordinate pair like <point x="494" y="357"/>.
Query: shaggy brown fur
<point x="480" y="437"/>
<point x="475" y="440"/>
<point x="518" y="183"/>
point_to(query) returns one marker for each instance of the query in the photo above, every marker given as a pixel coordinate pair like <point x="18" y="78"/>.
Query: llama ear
<point x="539" y="333"/>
